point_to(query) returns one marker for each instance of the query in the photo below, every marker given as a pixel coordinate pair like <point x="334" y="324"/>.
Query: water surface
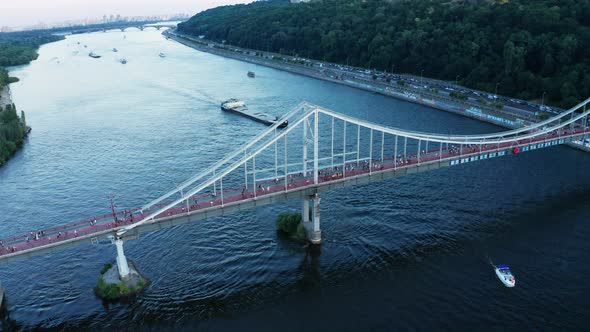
<point x="408" y="253"/>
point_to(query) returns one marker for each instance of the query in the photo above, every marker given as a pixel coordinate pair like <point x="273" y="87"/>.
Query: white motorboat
<point x="505" y="276"/>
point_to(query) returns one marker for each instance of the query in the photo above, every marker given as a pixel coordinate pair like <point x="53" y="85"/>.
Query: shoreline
<point x="430" y="99"/>
<point x="5" y="100"/>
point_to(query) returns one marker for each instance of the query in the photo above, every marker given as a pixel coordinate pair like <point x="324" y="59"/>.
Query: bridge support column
<point x="305" y="213"/>
<point x="122" y="264"/>
<point x="314" y="233"/>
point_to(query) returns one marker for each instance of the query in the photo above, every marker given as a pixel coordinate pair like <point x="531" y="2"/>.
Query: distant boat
<point x="162" y="55"/>
<point x="123" y="61"/>
<point x="85" y="46"/>
<point x="251" y="74"/>
<point x="93" y="55"/>
<point x="115" y="50"/>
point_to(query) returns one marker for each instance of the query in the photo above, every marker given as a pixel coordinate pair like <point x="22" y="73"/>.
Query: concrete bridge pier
<point x="122" y="264"/>
<point x="314" y="233"/>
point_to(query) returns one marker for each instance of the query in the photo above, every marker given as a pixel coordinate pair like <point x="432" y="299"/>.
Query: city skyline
<point x="26" y="13"/>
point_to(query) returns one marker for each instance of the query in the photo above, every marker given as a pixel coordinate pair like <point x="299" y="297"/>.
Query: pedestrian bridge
<point x="320" y="150"/>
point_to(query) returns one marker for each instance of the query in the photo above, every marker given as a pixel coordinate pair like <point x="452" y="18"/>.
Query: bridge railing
<point x="320" y="146"/>
<point x="324" y="143"/>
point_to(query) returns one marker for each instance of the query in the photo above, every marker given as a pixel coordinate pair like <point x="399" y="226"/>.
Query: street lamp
<point x="543" y="99"/>
<point x="496" y="93"/>
<point x="457" y="79"/>
<point x="421" y="73"/>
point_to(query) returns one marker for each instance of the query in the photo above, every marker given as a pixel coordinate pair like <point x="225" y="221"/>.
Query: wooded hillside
<point x="527" y="46"/>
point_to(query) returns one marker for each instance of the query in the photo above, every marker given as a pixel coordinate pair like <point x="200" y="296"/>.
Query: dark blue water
<point x="406" y="254"/>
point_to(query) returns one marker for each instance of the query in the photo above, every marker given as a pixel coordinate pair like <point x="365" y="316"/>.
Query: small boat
<point x="115" y="49"/>
<point x="162" y="55"/>
<point x="85" y="46"/>
<point x="93" y="55"/>
<point x="505" y="276"/>
<point x="123" y="61"/>
<point x="251" y="74"/>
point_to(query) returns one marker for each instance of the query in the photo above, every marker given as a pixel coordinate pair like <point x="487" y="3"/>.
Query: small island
<point x="290" y="225"/>
<point x="110" y="287"/>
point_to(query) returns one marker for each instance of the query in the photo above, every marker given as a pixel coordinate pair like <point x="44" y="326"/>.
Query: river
<point x="403" y="254"/>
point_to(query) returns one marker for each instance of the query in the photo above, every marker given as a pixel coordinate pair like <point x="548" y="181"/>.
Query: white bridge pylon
<point x="321" y="145"/>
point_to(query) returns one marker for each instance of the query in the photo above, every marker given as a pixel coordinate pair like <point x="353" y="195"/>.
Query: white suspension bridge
<point x="321" y="150"/>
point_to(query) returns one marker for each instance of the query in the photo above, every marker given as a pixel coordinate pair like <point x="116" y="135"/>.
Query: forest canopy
<point x="528" y="47"/>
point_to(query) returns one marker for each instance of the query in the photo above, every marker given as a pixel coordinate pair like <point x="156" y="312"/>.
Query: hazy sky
<point x="28" y="12"/>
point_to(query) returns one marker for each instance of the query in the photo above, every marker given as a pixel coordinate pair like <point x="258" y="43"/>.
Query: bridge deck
<point x="268" y="191"/>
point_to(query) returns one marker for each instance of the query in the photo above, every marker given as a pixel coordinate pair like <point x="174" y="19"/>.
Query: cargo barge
<point x="239" y="107"/>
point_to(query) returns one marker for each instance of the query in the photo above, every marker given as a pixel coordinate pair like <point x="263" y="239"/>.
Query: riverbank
<point x="407" y="92"/>
<point x="13" y="129"/>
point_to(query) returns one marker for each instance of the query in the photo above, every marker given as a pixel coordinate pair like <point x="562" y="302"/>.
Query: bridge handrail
<point x="475" y="139"/>
<point x="508" y="132"/>
<point x="498" y="138"/>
